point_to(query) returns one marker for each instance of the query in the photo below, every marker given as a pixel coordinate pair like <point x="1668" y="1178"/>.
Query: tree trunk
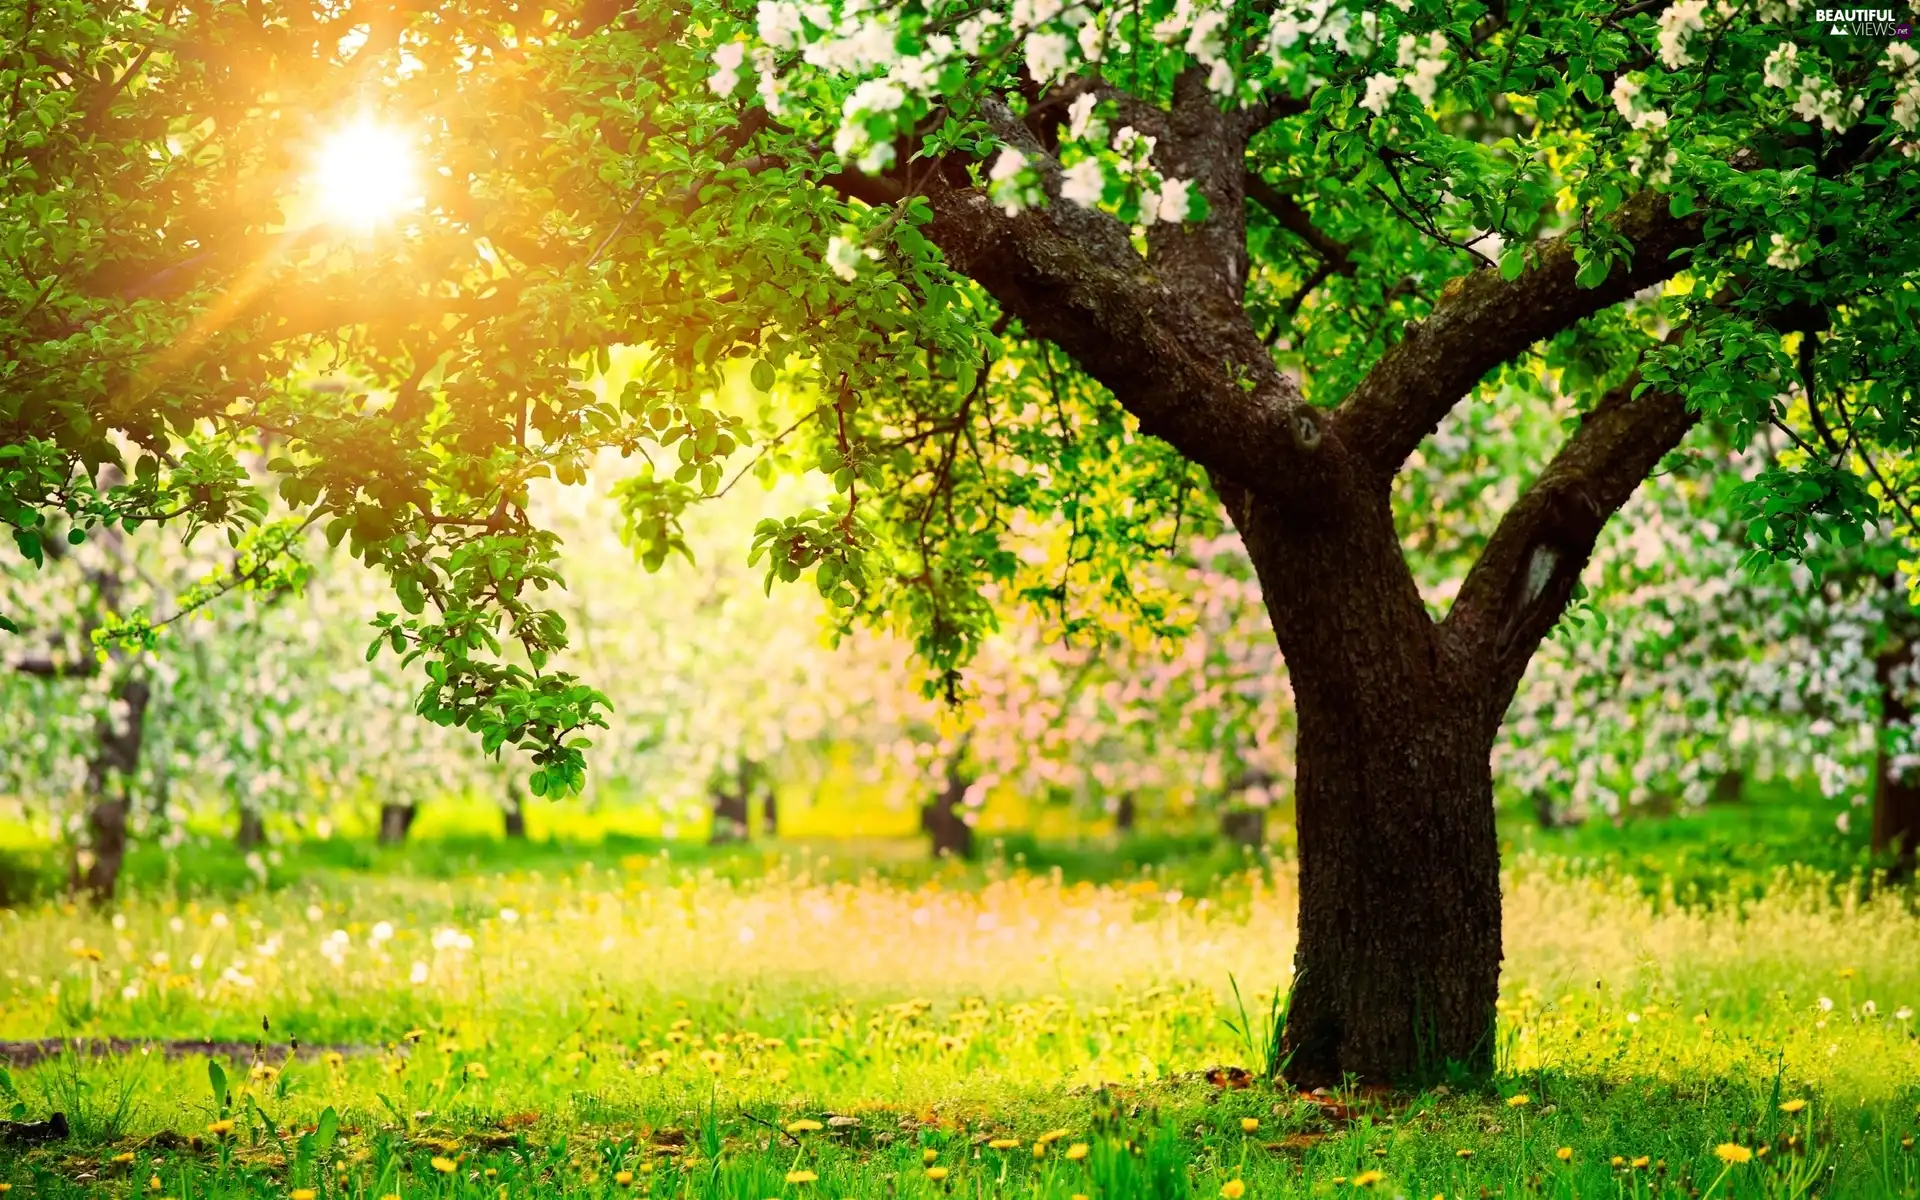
<point x="514" y="813"/>
<point x="253" y="829"/>
<point x="395" y="821"/>
<point x="1730" y="787"/>
<point x="942" y="817"/>
<point x="96" y="866"/>
<point x="1398" y="962"/>
<point x="1244" y="826"/>
<point x="770" y="813"/>
<point x="1124" y="814"/>
<point x="732" y="806"/>
<point x="1896" y="794"/>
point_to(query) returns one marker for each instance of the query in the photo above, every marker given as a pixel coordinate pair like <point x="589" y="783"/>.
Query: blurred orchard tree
<point x="1128" y="268"/>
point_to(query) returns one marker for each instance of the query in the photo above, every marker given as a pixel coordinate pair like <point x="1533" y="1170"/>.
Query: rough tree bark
<point x="395" y="821"/>
<point x="1399" y="953"/>
<point x="942" y="817"/>
<point x="769" y="812"/>
<point x="1896" y="795"/>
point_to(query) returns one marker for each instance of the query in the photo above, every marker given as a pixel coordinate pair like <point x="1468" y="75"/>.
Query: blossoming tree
<point x="1244" y="255"/>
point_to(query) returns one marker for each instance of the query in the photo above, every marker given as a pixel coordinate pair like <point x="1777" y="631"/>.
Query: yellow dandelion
<point x="1519" y="1101"/>
<point x="123" y="1159"/>
<point x="476" y="1070"/>
<point x="1367" y="1179"/>
<point x="1564" y="1154"/>
<point x="1004" y="1144"/>
<point x="936" y="1173"/>
<point x="154" y="1184"/>
<point x="1249" y="1124"/>
<point x="303" y="1194"/>
<point x="1732" y="1152"/>
<point x="1619" y="1161"/>
<point x="1792" y="1106"/>
<point x="1640" y="1164"/>
<point x="801" y="1177"/>
<point x="1463" y="1152"/>
<point x="803" y="1126"/>
<point x="1233" y="1189"/>
<point x="1040" y="1149"/>
<point x="929" y="1154"/>
<point x="1052" y="1135"/>
<point x="445" y="1166"/>
<point x="1077" y="1151"/>
<point x="490" y="1173"/>
<point x="5" y="1188"/>
<point x="623" y="1178"/>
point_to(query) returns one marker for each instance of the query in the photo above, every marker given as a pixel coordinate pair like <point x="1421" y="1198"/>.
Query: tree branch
<point x="1295" y="220"/>
<point x="1517" y="590"/>
<point x="1169" y="338"/>
<point x="1483" y="321"/>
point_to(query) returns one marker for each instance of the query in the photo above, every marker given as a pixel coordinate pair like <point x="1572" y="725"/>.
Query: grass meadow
<point x="786" y="1025"/>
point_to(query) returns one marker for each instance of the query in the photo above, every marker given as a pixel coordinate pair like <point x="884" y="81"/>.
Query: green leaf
<point x="763" y="376"/>
<point x="1512" y="263"/>
<point x="217" y="1079"/>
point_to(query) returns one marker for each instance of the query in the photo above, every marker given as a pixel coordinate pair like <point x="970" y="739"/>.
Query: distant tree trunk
<point x="1896" y="795"/>
<point x="1124" y="814"/>
<point x="942" y="818"/>
<point x="1244" y="826"/>
<point x="1550" y="813"/>
<point x="96" y="867"/>
<point x="514" y="813"/>
<point x="732" y="801"/>
<point x="1730" y="787"/>
<point x="253" y="829"/>
<point x="395" y="821"/>
<point x="770" y="812"/>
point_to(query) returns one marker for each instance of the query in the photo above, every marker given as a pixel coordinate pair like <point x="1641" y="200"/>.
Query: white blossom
<point x="1004" y="181"/>
<point x="1047" y="55"/>
<point x="1781" y="65"/>
<point x="779" y="24"/>
<point x="972" y="32"/>
<point x="1080" y="118"/>
<point x="726" y="68"/>
<point x="843" y="257"/>
<point x="1380" y="90"/>
<point x="1176" y="200"/>
<point x="1083" y="183"/>
<point x="1677" y="26"/>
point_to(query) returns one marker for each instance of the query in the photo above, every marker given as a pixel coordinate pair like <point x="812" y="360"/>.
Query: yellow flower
<point x="1519" y="1101"/>
<point x="154" y="1184"/>
<point x="623" y="1178"/>
<point x="1077" y="1151"/>
<point x="1052" y="1135"/>
<point x="1564" y="1154"/>
<point x="936" y="1173"/>
<point x="929" y="1154"/>
<point x="1233" y="1189"/>
<point x="1004" y="1144"/>
<point x="476" y="1070"/>
<point x="1249" y="1124"/>
<point x="1040" y="1149"/>
<point x="1792" y="1106"/>
<point x="1367" y="1179"/>
<point x="5" y="1188"/>
<point x="303" y="1194"/>
<point x="1463" y="1153"/>
<point x="802" y="1126"/>
<point x="123" y="1159"/>
<point x="1618" y="1161"/>
<point x="1640" y="1164"/>
<point x="490" y="1173"/>
<point x="1732" y="1152"/>
<point x="801" y="1177"/>
<point x="444" y="1165"/>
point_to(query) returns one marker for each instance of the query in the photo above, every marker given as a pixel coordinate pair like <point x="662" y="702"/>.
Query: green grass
<point x="545" y="1017"/>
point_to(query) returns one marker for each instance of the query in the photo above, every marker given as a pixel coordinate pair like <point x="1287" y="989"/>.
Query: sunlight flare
<point x="365" y="174"/>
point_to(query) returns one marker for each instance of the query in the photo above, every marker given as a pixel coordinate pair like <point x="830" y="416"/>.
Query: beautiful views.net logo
<point x="1864" y="22"/>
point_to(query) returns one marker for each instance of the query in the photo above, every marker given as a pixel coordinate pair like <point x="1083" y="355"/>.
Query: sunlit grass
<point x="505" y="1018"/>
